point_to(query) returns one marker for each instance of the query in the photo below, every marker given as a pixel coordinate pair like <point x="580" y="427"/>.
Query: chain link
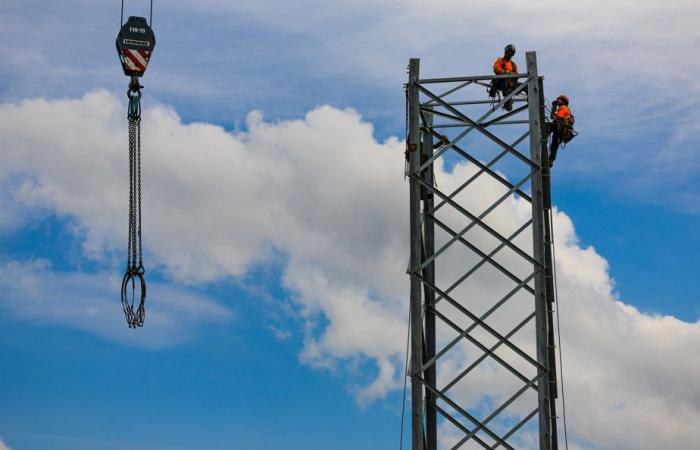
<point x="138" y="184"/>
<point x="134" y="269"/>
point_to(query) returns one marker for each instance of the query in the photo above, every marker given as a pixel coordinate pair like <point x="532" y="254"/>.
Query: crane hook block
<point x="135" y="43"/>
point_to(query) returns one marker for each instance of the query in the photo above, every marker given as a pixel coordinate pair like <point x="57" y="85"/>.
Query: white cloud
<point x="3" y="446"/>
<point x="329" y="197"/>
<point x="625" y="64"/>
<point x="32" y="291"/>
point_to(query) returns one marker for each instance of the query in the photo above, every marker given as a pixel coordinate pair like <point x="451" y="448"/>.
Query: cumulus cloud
<point x="609" y="56"/>
<point x="325" y="194"/>
<point x="3" y="446"/>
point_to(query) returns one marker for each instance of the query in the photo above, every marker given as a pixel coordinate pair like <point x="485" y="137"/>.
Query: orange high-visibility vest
<point x="563" y="113"/>
<point x="501" y="66"/>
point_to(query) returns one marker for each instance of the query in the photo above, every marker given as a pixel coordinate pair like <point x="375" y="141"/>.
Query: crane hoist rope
<point x="135" y="43"/>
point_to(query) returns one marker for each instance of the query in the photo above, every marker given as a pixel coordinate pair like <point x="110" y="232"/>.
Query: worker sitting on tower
<point x="504" y="66"/>
<point x="561" y="127"/>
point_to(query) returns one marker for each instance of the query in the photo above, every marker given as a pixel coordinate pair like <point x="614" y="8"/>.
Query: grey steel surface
<point x="538" y="212"/>
<point x="549" y="273"/>
<point x="531" y="367"/>
<point x="469" y="102"/>
<point x="416" y="310"/>
<point x="474" y="78"/>
<point x="429" y="274"/>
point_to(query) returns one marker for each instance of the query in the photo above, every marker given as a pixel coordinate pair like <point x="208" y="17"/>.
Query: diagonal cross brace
<point x="484" y="316"/>
<point x="519" y="425"/>
<point x="469" y="129"/>
<point x="475" y="124"/>
<point x="482" y="347"/>
<point x="474" y="222"/>
<point x="485" y="259"/>
<point x="505" y="116"/>
<point x="497" y="411"/>
<point x="483" y="168"/>
<point x="483" y="225"/>
<point x="466" y="415"/>
<point x="476" y="250"/>
<point x="481" y="323"/>
<point x="459" y="425"/>
<point x="468" y="122"/>
<point x="450" y="91"/>
<point x="493" y="348"/>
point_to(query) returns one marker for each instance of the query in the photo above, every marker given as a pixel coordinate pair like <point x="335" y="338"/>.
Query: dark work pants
<point x="505" y="87"/>
<point x="557" y="127"/>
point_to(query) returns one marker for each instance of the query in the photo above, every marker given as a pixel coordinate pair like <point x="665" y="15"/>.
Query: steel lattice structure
<point x="446" y="314"/>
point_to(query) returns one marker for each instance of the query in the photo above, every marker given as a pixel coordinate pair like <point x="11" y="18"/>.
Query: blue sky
<point x="253" y="341"/>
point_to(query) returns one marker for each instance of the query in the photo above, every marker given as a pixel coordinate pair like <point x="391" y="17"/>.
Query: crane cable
<point x="556" y="301"/>
<point x="405" y="381"/>
<point x="150" y="18"/>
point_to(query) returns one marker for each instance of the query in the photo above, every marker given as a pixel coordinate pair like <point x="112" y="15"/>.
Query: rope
<point x="405" y="380"/>
<point x="556" y="300"/>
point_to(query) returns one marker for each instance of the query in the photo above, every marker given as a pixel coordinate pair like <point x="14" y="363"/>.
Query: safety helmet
<point x="510" y="48"/>
<point x="563" y="99"/>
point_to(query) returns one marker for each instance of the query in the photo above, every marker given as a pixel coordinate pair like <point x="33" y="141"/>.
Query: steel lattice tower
<point x="446" y="314"/>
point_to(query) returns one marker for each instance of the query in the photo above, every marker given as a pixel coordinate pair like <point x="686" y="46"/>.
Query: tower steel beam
<point x="416" y="313"/>
<point x="443" y="314"/>
<point x="429" y="274"/>
<point x="536" y="113"/>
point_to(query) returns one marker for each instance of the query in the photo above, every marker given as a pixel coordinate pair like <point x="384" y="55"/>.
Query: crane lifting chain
<point x="134" y="261"/>
<point x="135" y="43"/>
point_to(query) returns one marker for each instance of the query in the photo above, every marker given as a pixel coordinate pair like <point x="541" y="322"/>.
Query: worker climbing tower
<point x="482" y="361"/>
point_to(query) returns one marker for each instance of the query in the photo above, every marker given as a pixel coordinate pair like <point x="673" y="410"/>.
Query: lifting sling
<point x="135" y="43"/>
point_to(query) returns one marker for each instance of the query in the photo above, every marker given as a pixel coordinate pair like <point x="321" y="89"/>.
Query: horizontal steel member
<point x="469" y="102"/>
<point x="462" y="125"/>
<point x="452" y="90"/>
<point x="459" y="116"/>
<point x="474" y="78"/>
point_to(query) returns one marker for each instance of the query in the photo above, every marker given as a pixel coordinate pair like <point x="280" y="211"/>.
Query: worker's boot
<point x="492" y="89"/>
<point x="508" y="106"/>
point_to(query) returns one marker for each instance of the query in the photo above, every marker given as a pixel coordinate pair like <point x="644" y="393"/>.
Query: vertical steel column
<point x="534" y="95"/>
<point x="549" y="273"/>
<point x="428" y="292"/>
<point x="416" y="313"/>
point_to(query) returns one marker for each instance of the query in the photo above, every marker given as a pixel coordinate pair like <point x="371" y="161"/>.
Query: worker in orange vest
<point x="561" y="126"/>
<point x="505" y="65"/>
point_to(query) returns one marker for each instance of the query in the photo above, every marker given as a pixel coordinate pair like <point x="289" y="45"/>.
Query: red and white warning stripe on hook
<point x="135" y="59"/>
